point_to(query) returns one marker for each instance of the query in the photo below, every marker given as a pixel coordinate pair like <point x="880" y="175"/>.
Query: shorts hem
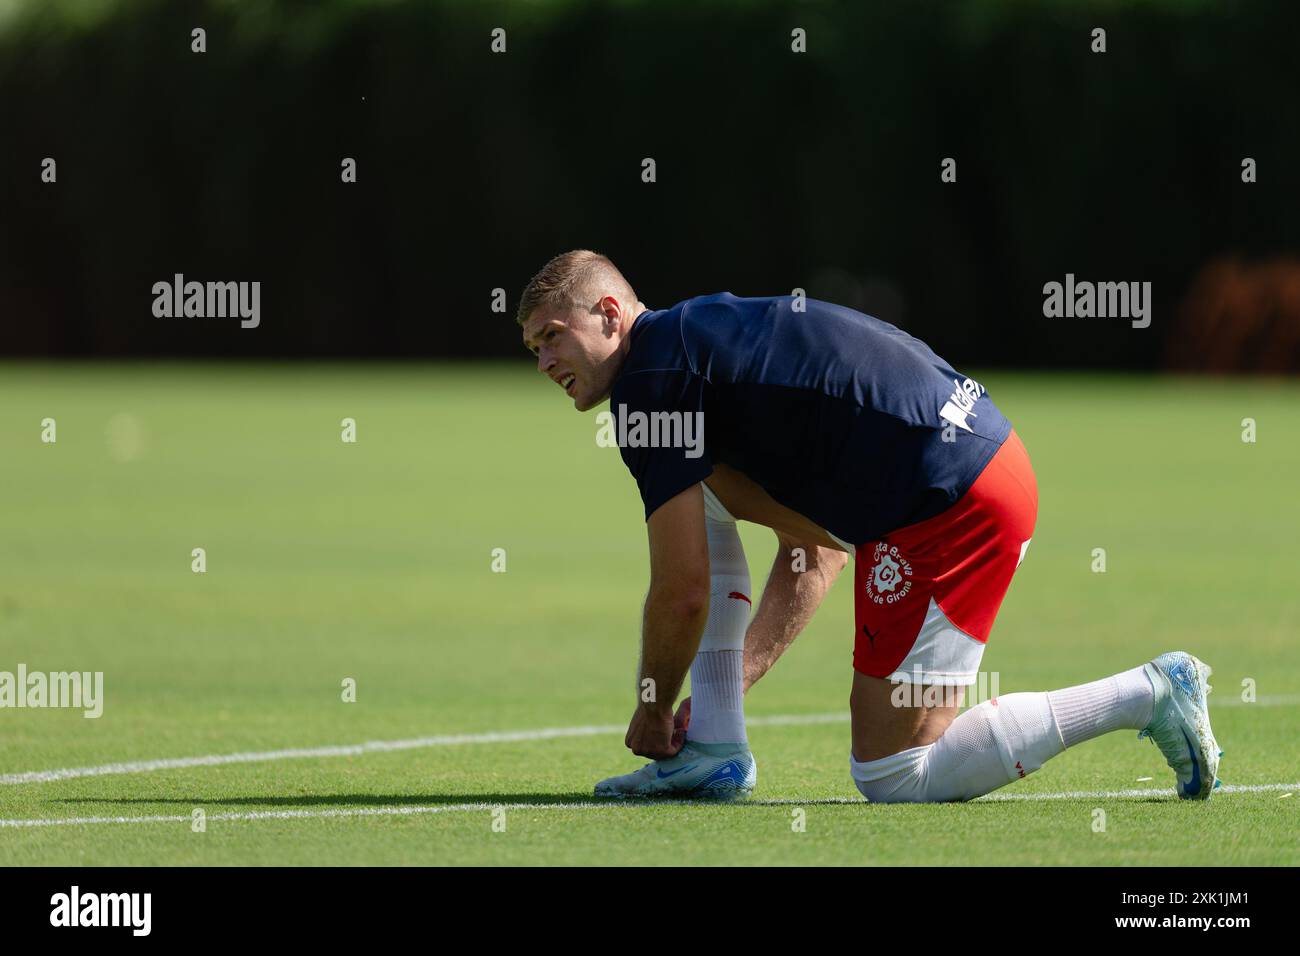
<point x="964" y="679"/>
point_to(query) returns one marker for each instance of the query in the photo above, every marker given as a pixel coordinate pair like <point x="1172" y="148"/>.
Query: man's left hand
<point x="650" y="734"/>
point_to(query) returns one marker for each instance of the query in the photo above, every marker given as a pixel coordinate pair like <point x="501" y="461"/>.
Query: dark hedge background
<point x="775" y="169"/>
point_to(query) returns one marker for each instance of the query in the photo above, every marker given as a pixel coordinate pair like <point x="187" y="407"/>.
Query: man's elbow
<point x="833" y="558"/>
<point x="829" y="559"/>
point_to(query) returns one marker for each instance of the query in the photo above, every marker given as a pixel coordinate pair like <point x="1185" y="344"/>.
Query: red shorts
<point x="926" y="595"/>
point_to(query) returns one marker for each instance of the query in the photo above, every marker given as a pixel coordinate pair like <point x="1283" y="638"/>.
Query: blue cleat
<point x="697" y="772"/>
<point x="1180" y="723"/>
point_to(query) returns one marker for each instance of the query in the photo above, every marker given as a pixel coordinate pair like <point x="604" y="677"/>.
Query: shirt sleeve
<point x="659" y="422"/>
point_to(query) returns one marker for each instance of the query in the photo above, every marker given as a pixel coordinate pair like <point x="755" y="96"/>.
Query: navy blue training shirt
<point x="837" y="415"/>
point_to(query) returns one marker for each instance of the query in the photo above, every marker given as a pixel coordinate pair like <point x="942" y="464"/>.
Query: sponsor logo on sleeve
<point x="963" y="398"/>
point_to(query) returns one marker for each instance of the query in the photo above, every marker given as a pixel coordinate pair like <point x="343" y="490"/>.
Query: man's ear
<point x="611" y="315"/>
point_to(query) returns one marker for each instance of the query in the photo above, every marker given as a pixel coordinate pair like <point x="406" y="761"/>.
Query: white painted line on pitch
<point x="444" y="740"/>
<point x="1268" y="700"/>
<point x="1149" y="792"/>
<point x="370" y="747"/>
<point x="401" y="811"/>
<point x="298" y="753"/>
<point x="293" y="814"/>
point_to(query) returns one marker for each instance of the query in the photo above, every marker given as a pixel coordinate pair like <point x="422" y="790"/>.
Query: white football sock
<point x="718" y="671"/>
<point x="1004" y="739"/>
<point x="1115" y="703"/>
<point x="717" y="700"/>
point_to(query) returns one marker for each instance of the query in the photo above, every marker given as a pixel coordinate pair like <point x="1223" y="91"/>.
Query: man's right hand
<point x="681" y="720"/>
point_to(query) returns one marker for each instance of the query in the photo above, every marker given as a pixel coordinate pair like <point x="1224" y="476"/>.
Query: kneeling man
<point x="845" y="436"/>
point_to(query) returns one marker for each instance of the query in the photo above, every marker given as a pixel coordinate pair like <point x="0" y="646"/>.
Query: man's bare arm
<point x="676" y="610"/>
<point x="789" y="601"/>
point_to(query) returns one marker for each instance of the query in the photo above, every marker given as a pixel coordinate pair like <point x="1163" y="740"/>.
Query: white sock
<point x="717" y="701"/>
<point x="1115" y="703"/>
<point x="1012" y="736"/>
<point x="718" y="671"/>
<point x="1004" y="739"/>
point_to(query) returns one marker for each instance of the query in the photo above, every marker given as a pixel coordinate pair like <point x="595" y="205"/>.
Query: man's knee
<point x="946" y="770"/>
<point x="987" y="747"/>
<point x="889" y="717"/>
<point x="898" y="778"/>
<point x="954" y="767"/>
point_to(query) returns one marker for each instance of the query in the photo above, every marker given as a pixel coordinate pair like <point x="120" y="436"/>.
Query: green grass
<point x="373" y="561"/>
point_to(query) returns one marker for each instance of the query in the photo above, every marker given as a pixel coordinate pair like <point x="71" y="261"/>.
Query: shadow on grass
<point x="543" y="799"/>
<point x="347" y="800"/>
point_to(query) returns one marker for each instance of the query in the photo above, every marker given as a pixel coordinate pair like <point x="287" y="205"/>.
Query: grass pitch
<point x="373" y="561"/>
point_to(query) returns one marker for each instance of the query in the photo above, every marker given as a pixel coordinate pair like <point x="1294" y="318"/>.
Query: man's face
<point x="579" y="352"/>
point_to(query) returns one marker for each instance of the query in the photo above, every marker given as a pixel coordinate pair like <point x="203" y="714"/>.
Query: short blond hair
<point x="573" y="280"/>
